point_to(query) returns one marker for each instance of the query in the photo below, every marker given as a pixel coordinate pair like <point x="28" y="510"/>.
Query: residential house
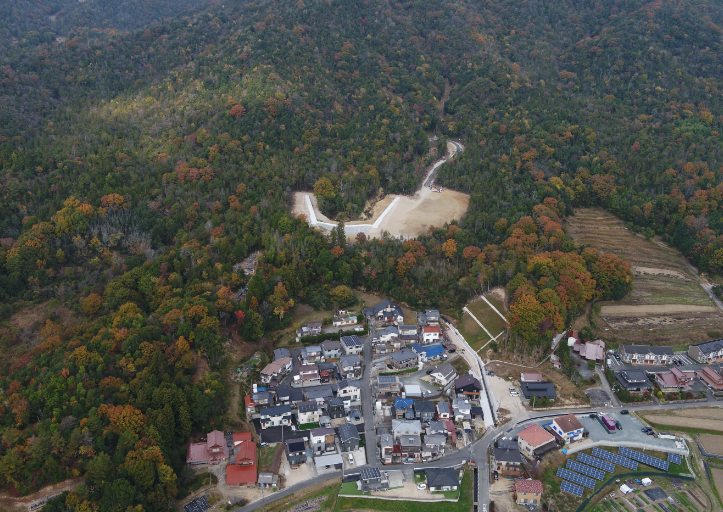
<point x="344" y="318"/>
<point x="403" y="407"/>
<point x="286" y="395"/>
<point x="444" y="411"/>
<point x="443" y="374"/>
<point x="276" y="369"/>
<point x="382" y="348"/>
<point x="295" y="451"/>
<point x="461" y="409"/>
<point x="436" y="427"/>
<point x="507" y="461"/>
<point x="711" y="378"/>
<point x="310" y="329"/>
<point x="322" y="440"/>
<point x="411" y="448"/>
<point x="242" y="470"/>
<point x="591" y="350"/>
<point x="424" y="410"/>
<point x="468" y="386"/>
<point x="531" y="377"/>
<point x="635" y="381"/>
<point x="708" y="352"/>
<point x="335" y="407"/>
<point x="308" y="412"/>
<point x="385" y="310"/>
<point x="431" y="334"/>
<point x="310" y="355"/>
<point x="275" y="416"/>
<point x="262" y="398"/>
<point x="538" y="389"/>
<point x="349" y="389"/>
<point x="319" y="393"/>
<point x="405" y="358"/>
<point x="348" y="437"/>
<point x="309" y="375"/>
<point x="280" y="353"/>
<point x="268" y="480"/>
<point x="386" y="444"/>
<point x="324" y="376"/>
<point x="350" y="366"/>
<point x="429" y="317"/>
<point x="430" y="352"/>
<point x="328" y="369"/>
<point x="535" y="441"/>
<point x="408" y="333"/>
<point x="351" y="344"/>
<point x="388" y="334"/>
<point x="406" y="428"/>
<point x="568" y="427"/>
<point x="442" y="479"/>
<point x="250" y="405"/>
<point x="333" y="460"/>
<point x="371" y="480"/>
<point x="646" y="355"/>
<point x="389" y="384"/>
<point x="528" y="491"/>
<point x="331" y="349"/>
<point x="477" y="413"/>
<point x="433" y="445"/>
<point x="212" y="451"/>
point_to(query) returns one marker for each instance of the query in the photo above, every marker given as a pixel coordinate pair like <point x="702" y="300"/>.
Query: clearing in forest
<point x="472" y="332"/>
<point x="667" y="305"/>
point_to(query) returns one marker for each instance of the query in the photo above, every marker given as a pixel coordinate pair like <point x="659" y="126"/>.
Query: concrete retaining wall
<point x="584" y="445"/>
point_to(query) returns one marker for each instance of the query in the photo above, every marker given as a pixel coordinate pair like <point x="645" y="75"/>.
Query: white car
<point x="351" y="459"/>
<point x="514" y="393"/>
<point x="421" y="487"/>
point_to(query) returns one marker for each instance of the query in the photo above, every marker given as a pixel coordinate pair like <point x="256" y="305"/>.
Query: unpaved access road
<point x="655" y="309"/>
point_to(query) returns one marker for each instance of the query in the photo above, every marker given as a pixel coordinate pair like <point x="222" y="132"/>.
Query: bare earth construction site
<point x="405" y="216"/>
<point x="667" y="305"/>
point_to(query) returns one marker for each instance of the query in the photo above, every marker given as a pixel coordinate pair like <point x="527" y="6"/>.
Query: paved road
<point x="370" y="433"/>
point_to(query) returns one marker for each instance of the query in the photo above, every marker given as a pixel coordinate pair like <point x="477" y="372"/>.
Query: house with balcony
<point x="250" y="405"/>
<point x="408" y="334"/>
<point x="309" y="375"/>
<point x="468" y="386"/>
<point x="646" y="355"/>
<point x="348" y="437"/>
<point x="431" y="334"/>
<point x="424" y="410"/>
<point x="708" y="352"/>
<point x="351" y="344"/>
<point x="443" y="374"/>
<point x="295" y="451"/>
<point x="311" y="355"/>
<point x="444" y="411"/>
<point x="461" y="409"/>
<point x="308" y="412"/>
<point x="428" y="317"/>
<point x="371" y="479"/>
<point x="349" y="390"/>
<point x="344" y="318"/>
<point x="276" y="370"/>
<point x="711" y="378"/>
<point x="507" y="461"/>
<point x="403" y="359"/>
<point x="535" y="441"/>
<point x="406" y="428"/>
<point x="350" y="366"/>
<point x="390" y="453"/>
<point x="433" y="445"/>
<point x="331" y="349"/>
<point x="411" y="448"/>
<point x="436" y="427"/>
<point x="429" y="352"/>
<point x="385" y="311"/>
<point x="261" y="398"/>
<point x="403" y="408"/>
<point x="310" y="329"/>
<point x="388" y="334"/>
<point x="568" y="427"/>
<point x="212" y="451"/>
<point x="389" y="385"/>
<point x="322" y="440"/>
<point x="442" y="479"/>
<point x="275" y="416"/>
<point x="335" y="407"/>
<point x="528" y="491"/>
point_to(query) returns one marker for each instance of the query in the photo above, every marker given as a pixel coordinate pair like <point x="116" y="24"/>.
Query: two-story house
<point x="507" y="461"/>
<point x="429" y="317"/>
<point x="351" y="344"/>
<point x="711" y="378"/>
<point x="408" y="333"/>
<point x="388" y="453"/>
<point x="309" y="375"/>
<point x="349" y="389"/>
<point x="281" y="352"/>
<point x="350" y="366"/>
<point x="405" y="358"/>
<point x="535" y="441"/>
<point x="444" y="411"/>
<point x="433" y="445"/>
<point x="322" y="440"/>
<point x="295" y="451"/>
<point x="389" y="385"/>
<point x="442" y="479"/>
<point x="250" y="405"/>
<point x="646" y="355"/>
<point x="344" y="318"/>
<point x="261" y="398"/>
<point x="406" y="428"/>
<point x="437" y="427"/>
<point x="403" y="408"/>
<point x="335" y="407"/>
<point x="308" y="412"/>
<point x="331" y="349"/>
<point x="528" y="491"/>
<point x="424" y="411"/>
<point x="429" y="352"/>
<point x="461" y="409"/>
<point x="371" y="479"/>
<point x="431" y="334"/>
<point x="348" y="437"/>
<point x="242" y="468"/>
<point x="443" y="374"/>
<point x="568" y="427"/>
<point x="275" y="416"/>
<point x="411" y="448"/>
<point x="310" y="355"/>
<point x="385" y="311"/>
<point x="468" y="386"/>
<point x="388" y="334"/>
<point x="276" y="370"/>
<point x="310" y="329"/>
<point x="708" y="352"/>
<point x="212" y="451"/>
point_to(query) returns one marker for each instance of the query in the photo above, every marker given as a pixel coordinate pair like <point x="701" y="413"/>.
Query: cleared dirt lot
<point x="471" y="330"/>
<point x="718" y="479"/>
<point x="703" y="418"/>
<point x="667" y="305"/>
<point x="410" y="217"/>
<point x="712" y="443"/>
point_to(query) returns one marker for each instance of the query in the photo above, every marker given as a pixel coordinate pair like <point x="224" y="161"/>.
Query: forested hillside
<point x="140" y="165"/>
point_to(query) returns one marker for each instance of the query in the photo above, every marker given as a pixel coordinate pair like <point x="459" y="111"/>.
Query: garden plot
<point x="712" y="443"/>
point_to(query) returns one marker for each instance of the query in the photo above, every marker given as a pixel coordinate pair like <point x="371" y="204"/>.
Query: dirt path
<point x="445" y="97"/>
<point x="655" y="309"/>
<point x="7" y="503"/>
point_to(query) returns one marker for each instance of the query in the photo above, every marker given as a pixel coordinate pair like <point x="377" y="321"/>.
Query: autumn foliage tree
<point x="237" y="111"/>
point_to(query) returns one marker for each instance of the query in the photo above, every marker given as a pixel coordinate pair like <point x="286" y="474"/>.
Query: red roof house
<point x="213" y="451"/>
<point x="243" y="470"/>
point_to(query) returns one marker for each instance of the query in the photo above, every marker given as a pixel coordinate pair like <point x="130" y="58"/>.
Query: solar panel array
<point x="574" y="477"/>
<point x="573" y="489"/>
<point x="585" y="470"/>
<point x="615" y="459"/>
<point x="595" y="462"/>
<point x="645" y="459"/>
<point x="675" y="458"/>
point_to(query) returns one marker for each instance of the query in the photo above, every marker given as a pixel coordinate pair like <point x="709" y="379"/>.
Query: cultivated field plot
<point x="718" y="479"/>
<point x="667" y="304"/>
<point x="712" y="443"/>
<point x="705" y="418"/>
<point x="493" y="322"/>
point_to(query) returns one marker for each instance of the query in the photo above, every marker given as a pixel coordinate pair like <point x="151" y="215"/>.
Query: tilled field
<point x="712" y="443"/>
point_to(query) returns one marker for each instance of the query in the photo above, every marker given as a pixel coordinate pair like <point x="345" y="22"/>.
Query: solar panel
<point x="595" y="462"/>
<point x="586" y="470"/>
<point x="675" y="458"/>
<point x="573" y="489"/>
<point x="645" y="459"/>
<point x="615" y="459"/>
<point x="387" y="380"/>
<point x="574" y="477"/>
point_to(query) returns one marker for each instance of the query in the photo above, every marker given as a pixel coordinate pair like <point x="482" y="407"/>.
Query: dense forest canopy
<point x="143" y="157"/>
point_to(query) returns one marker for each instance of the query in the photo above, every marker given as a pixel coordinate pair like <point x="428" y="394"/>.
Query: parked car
<point x="390" y="367"/>
<point x="491" y="374"/>
<point x="351" y="459"/>
<point x="650" y="432"/>
<point x="264" y="444"/>
<point x="421" y="487"/>
<point x="617" y="424"/>
<point x="624" y="411"/>
<point x="430" y="371"/>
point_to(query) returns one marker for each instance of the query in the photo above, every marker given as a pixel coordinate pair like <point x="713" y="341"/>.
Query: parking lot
<point x="631" y="432"/>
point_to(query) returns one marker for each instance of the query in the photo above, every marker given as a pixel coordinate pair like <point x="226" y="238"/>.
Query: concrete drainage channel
<point x="476" y="490"/>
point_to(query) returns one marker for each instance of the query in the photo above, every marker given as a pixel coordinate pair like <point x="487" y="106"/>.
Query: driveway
<point x="415" y="378"/>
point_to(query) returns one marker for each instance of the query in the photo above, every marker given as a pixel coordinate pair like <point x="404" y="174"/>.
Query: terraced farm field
<point x="667" y="306"/>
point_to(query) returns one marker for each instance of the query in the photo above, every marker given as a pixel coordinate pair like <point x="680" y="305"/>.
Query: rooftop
<point x="530" y="485"/>
<point x="647" y="349"/>
<point x="369" y="473"/>
<point x="351" y="341"/>
<point x="710" y="346"/>
<point x="440" y="477"/>
<point x="568" y="423"/>
<point x="466" y="381"/>
<point x="535" y="435"/>
<point x="508" y="455"/>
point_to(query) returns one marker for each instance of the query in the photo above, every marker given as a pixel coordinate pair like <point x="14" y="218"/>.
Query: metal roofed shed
<point x="326" y="461"/>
